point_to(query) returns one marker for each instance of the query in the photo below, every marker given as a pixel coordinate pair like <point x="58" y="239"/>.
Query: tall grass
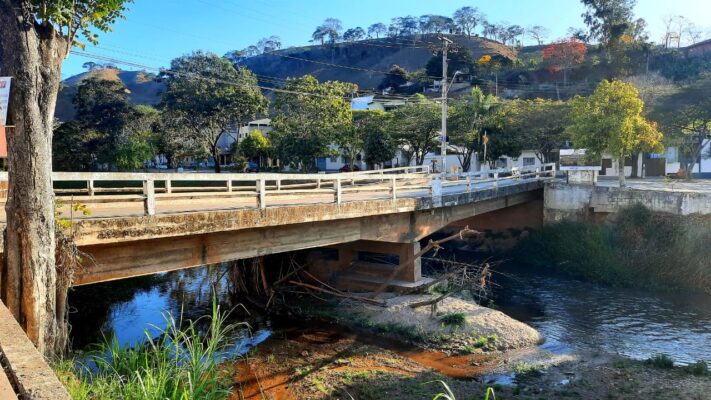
<point x="180" y="363"/>
<point x="635" y="247"/>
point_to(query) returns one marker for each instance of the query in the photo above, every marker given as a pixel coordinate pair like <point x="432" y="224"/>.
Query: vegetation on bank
<point x="180" y="362"/>
<point x="635" y="247"/>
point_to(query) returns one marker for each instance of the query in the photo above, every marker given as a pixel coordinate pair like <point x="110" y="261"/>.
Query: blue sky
<point x="156" y="31"/>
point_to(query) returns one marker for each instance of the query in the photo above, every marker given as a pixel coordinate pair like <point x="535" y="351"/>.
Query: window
<point x="529" y="161"/>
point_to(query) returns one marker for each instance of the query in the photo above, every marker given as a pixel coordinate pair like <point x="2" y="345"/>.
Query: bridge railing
<point x="264" y="189"/>
<point x="497" y="176"/>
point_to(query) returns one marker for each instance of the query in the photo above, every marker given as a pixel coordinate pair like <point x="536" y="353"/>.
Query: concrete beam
<point x="25" y="366"/>
<point x="125" y="259"/>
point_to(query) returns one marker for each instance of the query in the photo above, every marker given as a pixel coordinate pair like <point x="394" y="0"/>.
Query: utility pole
<point x="443" y="150"/>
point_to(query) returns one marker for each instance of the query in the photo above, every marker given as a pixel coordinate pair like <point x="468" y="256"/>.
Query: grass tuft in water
<point x="699" y="368"/>
<point x="180" y="363"/>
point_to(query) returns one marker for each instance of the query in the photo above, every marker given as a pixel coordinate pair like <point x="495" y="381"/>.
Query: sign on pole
<point x="4" y="99"/>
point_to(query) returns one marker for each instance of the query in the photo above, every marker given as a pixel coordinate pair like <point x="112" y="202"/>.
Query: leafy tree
<point x="512" y="32"/>
<point x="320" y="34"/>
<point x="103" y="111"/>
<point x="415" y="126"/>
<point x="608" y="20"/>
<point x="235" y="56"/>
<point x="405" y="26"/>
<point x="467" y="18"/>
<point x="210" y="96"/>
<point x="564" y="55"/>
<point x="256" y="145"/>
<point x="461" y="60"/>
<point x="435" y="24"/>
<point x="396" y="77"/>
<point x="354" y="34"/>
<point x="308" y="116"/>
<point x="539" y="33"/>
<point x="378" y="144"/>
<point x="471" y="117"/>
<point x="611" y="121"/>
<point x="36" y="38"/>
<point x="540" y="123"/>
<point x="266" y="45"/>
<point x="133" y="153"/>
<point x="330" y="29"/>
<point x="689" y="130"/>
<point x="377" y="29"/>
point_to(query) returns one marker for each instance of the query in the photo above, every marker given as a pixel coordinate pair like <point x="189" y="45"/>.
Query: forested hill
<point x="358" y="62"/>
<point x="143" y="88"/>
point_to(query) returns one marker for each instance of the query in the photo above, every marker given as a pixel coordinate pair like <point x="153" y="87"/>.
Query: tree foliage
<point x="256" y="145"/>
<point x="209" y="96"/>
<point x="396" y="77"/>
<point x="608" y="20"/>
<point x="610" y="121"/>
<point x="415" y="126"/>
<point x="467" y="18"/>
<point x="459" y="60"/>
<point x="471" y="117"/>
<point x="309" y="114"/>
<point x="564" y="55"/>
<point x="106" y="129"/>
<point x="540" y="123"/>
<point x="378" y="143"/>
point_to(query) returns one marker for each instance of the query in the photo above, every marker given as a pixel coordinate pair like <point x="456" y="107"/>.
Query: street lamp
<point x="445" y="92"/>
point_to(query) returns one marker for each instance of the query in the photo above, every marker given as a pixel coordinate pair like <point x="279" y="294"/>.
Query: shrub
<point x="661" y="361"/>
<point x="699" y="368"/>
<point x="454" y="319"/>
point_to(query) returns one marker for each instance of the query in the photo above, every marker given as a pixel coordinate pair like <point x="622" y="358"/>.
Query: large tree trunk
<point x="621" y="171"/>
<point x="32" y="55"/>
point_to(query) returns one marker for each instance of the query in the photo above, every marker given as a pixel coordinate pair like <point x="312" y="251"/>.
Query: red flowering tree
<point x="564" y="55"/>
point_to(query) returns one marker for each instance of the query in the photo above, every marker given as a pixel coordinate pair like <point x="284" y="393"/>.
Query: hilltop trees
<point x="564" y="55"/>
<point x="377" y="30"/>
<point x="608" y="20"/>
<point x="209" y="96"/>
<point x="354" y="34"/>
<point x="611" y="121"/>
<point x="330" y="30"/>
<point x="309" y="114"/>
<point x="539" y="33"/>
<point x="36" y="37"/>
<point x="467" y="18"/>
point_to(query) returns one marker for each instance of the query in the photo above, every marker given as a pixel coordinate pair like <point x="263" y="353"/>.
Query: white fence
<point x="149" y="188"/>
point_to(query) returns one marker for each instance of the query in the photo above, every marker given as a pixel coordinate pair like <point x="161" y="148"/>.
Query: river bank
<point x="331" y="364"/>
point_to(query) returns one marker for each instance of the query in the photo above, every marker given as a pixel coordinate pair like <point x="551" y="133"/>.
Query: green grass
<point x="634" y="247"/>
<point x="661" y="361"/>
<point x="454" y="319"/>
<point x="699" y="368"/>
<point x="448" y="394"/>
<point x="178" y="364"/>
<point x="525" y="370"/>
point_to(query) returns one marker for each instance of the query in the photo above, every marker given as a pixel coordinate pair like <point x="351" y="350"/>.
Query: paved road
<point x="174" y="206"/>
<point x="662" y="185"/>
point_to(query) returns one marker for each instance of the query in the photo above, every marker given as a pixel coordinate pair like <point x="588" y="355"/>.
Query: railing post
<point x="278" y="184"/>
<point x="149" y="191"/>
<point x="229" y="185"/>
<point x="538" y="172"/>
<point x="469" y="182"/>
<point x="318" y="183"/>
<point x="90" y="187"/>
<point x="262" y="194"/>
<point x="168" y="186"/>
<point x="496" y="179"/>
<point x="436" y="192"/>
<point x="393" y="188"/>
<point x="338" y="191"/>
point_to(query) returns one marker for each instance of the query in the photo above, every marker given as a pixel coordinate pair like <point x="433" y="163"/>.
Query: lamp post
<point x="445" y="92"/>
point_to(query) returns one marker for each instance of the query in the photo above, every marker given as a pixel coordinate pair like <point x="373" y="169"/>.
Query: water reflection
<point x="579" y="315"/>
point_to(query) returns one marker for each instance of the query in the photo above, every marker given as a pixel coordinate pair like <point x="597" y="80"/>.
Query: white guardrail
<point x="118" y="187"/>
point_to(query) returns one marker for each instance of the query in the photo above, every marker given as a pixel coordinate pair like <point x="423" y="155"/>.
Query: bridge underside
<point x="144" y="256"/>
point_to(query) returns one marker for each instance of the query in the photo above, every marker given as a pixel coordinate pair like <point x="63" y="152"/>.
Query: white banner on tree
<point x="4" y="98"/>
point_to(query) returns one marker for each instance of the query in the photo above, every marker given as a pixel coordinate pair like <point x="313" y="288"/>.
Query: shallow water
<point x="572" y="315"/>
<point x="575" y="315"/>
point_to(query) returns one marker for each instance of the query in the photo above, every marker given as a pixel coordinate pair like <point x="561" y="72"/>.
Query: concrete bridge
<point x="147" y="223"/>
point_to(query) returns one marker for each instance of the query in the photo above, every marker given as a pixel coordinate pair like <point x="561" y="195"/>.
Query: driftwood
<point x="436" y="245"/>
<point x="338" y="294"/>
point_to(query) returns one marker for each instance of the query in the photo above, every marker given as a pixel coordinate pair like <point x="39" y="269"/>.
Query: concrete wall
<point x="578" y="202"/>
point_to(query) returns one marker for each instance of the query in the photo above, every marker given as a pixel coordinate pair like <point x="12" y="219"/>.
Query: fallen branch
<point x="436" y="245"/>
<point x="322" y="290"/>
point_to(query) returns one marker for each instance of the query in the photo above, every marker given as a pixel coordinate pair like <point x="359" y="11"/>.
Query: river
<point x="572" y="315"/>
